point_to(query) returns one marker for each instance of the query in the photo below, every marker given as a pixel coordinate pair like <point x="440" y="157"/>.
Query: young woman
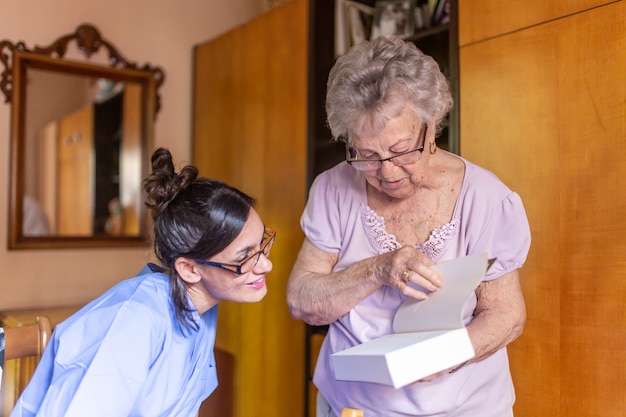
<point x="145" y="347"/>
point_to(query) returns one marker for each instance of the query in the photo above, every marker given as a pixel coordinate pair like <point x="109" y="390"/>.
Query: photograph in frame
<point x="359" y="18"/>
<point x="341" y="32"/>
<point x="394" y="17"/>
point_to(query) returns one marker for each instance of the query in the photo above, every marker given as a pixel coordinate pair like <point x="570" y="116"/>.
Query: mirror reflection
<point x="83" y="156"/>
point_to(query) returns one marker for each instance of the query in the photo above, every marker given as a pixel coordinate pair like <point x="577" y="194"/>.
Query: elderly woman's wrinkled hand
<point x="410" y="272"/>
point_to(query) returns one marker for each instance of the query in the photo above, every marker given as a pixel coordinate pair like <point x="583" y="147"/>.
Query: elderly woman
<point x="145" y="347"/>
<point x="397" y="206"/>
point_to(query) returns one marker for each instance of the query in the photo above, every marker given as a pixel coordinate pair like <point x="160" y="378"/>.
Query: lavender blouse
<point x="488" y="217"/>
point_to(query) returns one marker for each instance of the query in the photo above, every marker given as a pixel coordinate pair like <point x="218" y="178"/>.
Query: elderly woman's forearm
<point x="492" y="330"/>
<point x="311" y="301"/>
<point x="320" y="299"/>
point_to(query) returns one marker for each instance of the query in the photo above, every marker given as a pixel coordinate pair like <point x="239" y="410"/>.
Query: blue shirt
<point x="125" y="354"/>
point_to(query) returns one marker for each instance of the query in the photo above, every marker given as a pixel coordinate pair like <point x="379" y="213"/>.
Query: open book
<point x="429" y="336"/>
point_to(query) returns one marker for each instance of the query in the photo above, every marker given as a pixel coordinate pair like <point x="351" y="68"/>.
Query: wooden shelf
<point x="434" y="30"/>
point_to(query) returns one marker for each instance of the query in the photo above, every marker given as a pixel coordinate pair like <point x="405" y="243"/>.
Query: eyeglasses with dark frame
<point x="250" y="262"/>
<point x="405" y="158"/>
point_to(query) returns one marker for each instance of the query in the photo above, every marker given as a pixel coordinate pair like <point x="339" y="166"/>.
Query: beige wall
<point x="161" y="33"/>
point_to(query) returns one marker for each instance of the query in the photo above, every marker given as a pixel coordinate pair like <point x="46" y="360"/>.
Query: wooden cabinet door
<point x="484" y="19"/>
<point x="543" y="108"/>
<point x="76" y="173"/>
<point x="250" y="130"/>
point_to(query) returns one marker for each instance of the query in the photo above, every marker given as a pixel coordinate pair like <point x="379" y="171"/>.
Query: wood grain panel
<point x="217" y="74"/>
<point x="592" y="116"/>
<point x="251" y="98"/>
<point x="282" y="201"/>
<point x="76" y="167"/>
<point x="544" y="108"/>
<point x="508" y="126"/>
<point x="255" y="338"/>
<point x="483" y="19"/>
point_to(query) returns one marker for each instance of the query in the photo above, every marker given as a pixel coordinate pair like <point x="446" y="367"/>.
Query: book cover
<point x="441" y="13"/>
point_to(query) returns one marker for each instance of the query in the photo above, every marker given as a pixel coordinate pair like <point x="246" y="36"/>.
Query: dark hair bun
<point x="164" y="184"/>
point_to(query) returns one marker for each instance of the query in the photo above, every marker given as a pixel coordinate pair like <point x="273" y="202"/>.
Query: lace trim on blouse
<point x="382" y="241"/>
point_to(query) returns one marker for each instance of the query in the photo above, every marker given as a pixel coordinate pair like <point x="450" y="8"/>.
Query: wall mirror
<point x="81" y="136"/>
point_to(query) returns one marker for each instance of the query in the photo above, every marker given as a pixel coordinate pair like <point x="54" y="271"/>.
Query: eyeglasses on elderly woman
<point x="404" y="158"/>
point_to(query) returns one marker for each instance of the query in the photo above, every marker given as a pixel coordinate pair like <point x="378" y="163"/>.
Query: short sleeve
<point x="333" y="203"/>
<point x="493" y="221"/>
<point x="505" y="236"/>
<point x="320" y="219"/>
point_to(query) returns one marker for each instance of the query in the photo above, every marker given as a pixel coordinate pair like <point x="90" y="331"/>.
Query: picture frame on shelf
<point x="340" y="41"/>
<point x="359" y="19"/>
<point x="423" y="15"/>
<point x="394" y="17"/>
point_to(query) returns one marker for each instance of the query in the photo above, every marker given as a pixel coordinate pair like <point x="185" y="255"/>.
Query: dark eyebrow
<point x="251" y="248"/>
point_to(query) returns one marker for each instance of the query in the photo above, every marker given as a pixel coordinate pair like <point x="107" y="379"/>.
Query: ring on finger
<point x="405" y="275"/>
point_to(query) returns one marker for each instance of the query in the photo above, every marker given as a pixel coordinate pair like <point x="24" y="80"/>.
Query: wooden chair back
<point x="25" y="341"/>
<point x="24" y="345"/>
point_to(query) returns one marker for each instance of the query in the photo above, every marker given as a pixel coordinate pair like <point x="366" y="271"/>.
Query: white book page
<point x="443" y="309"/>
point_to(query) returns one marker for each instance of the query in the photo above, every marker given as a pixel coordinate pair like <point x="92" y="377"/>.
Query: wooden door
<point x="250" y="130"/>
<point x="543" y="106"/>
<point x="76" y="173"/>
<point x="131" y="170"/>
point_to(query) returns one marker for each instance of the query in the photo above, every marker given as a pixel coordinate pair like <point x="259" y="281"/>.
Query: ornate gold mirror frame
<point x="81" y="136"/>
